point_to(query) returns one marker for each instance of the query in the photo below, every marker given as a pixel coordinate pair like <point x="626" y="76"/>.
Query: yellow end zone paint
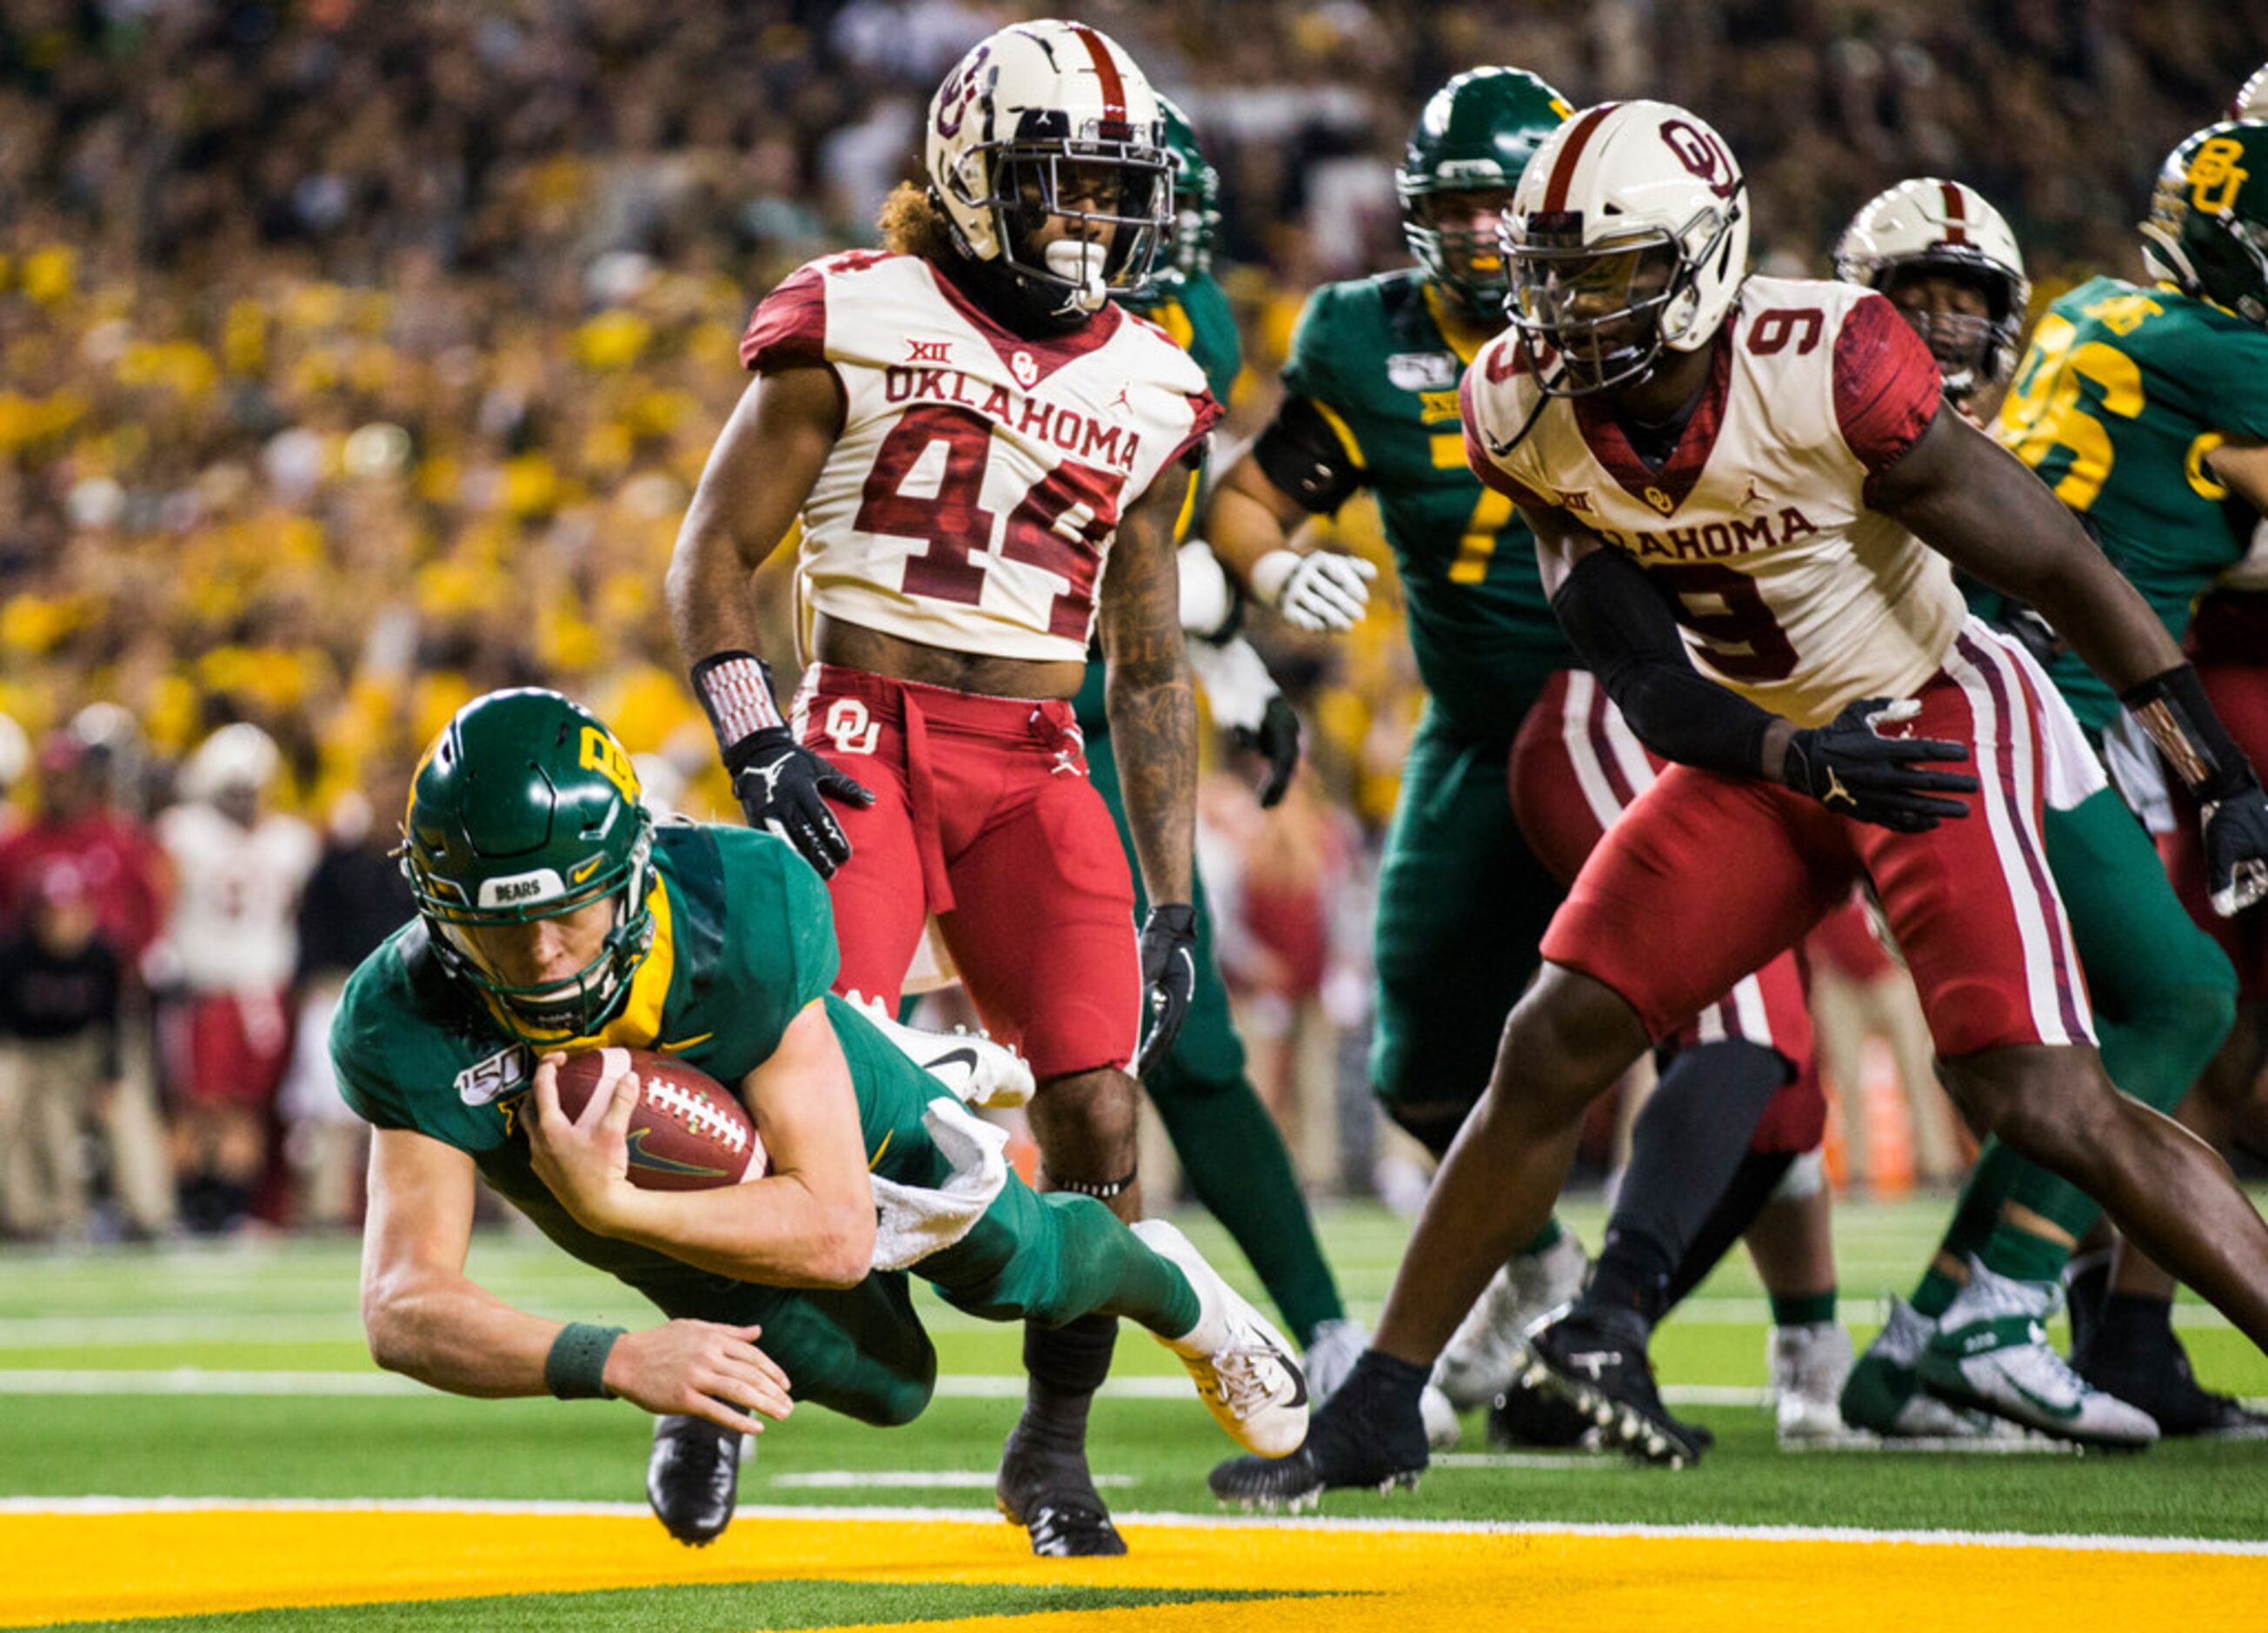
<point x="71" y="1566"/>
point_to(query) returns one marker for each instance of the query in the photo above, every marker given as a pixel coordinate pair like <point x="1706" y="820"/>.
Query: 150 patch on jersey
<point x="480" y="1083"/>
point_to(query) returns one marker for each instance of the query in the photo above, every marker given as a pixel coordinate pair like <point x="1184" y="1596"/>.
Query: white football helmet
<point x="236" y="759"/>
<point x="1629" y="234"/>
<point x="1030" y="117"/>
<point x="2252" y="101"/>
<point x="1928" y="226"/>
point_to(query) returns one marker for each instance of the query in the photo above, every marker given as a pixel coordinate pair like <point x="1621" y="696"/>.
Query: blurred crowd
<point x="357" y="356"/>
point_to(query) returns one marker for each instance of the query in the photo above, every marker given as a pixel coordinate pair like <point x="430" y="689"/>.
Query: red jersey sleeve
<point x="1205" y="412"/>
<point x="1886" y="387"/>
<point x="1476" y="454"/>
<point x="790" y="325"/>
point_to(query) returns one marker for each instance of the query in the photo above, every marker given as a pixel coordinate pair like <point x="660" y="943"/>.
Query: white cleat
<point x="976" y="1070"/>
<point x="1809" y="1365"/>
<point x="1990" y="1353"/>
<point x="1485" y="1352"/>
<point x="1241" y="1365"/>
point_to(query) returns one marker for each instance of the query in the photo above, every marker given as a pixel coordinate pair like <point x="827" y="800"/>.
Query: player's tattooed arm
<point x="758" y="475"/>
<point x="1152" y="709"/>
<point x="1975" y="503"/>
<point x="424" y="1318"/>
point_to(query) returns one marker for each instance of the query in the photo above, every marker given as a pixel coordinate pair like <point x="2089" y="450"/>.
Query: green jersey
<point x="1198" y="318"/>
<point x="2122" y="392"/>
<point x="417" y="1049"/>
<point x="1375" y="356"/>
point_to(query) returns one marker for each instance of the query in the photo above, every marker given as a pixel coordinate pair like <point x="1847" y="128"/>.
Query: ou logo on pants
<point x="850" y="728"/>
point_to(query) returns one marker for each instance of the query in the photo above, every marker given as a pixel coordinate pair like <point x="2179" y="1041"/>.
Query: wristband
<point x="575" y="1368"/>
<point x="735" y="689"/>
<point x="2173" y="708"/>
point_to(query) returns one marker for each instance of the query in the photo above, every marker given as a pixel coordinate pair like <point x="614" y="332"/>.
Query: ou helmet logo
<point x="1702" y="153"/>
<point x="851" y="727"/>
<point x="954" y="96"/>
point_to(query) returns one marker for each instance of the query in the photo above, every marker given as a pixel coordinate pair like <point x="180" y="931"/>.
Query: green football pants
<point x="2164" y="997"/>
<point x="1462" y="904"/>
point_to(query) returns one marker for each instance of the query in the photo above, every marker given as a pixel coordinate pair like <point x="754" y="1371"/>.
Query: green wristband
<point x="576" y="1369"/>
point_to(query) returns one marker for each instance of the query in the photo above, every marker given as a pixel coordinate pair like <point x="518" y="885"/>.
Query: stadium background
<point x="358" y="357"/>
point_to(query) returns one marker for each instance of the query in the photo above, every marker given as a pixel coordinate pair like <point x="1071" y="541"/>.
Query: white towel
<point x="911" y="1222"/>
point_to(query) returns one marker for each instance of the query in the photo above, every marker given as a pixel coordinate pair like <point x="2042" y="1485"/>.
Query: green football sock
<point x="2016" y="1252"/>
<point x="1803" y="1309"/>
<point x="1547" y="1237"/>
<point x="1233" y="1155"/>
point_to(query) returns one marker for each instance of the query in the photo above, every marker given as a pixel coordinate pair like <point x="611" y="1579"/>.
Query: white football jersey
<point x="1788" y="588"/>
<point x="972" y="495"/>
<point x="236" y="897"/>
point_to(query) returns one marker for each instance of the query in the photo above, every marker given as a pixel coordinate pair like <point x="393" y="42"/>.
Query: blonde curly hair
<point x="911" y="224"/>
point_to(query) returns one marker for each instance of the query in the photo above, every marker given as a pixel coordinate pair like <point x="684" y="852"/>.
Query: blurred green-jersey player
<point x="2127" y="390"/>
<point x="1371" y="401"/>
<point x="1228" y="1144"/>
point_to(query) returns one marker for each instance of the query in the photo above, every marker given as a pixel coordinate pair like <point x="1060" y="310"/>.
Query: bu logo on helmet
<point x="1700" y="153"/>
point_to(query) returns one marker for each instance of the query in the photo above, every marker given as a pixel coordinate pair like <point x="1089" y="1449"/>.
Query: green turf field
<point x="238" y="1371"/>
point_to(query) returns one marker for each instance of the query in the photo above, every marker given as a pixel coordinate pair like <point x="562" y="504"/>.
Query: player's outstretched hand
<point x="784" y="788"/>
<point x="702" y="1369"/>
<point x="584" y="1161"/>
<point x="1325" y="590"/>
<point x="2236" y="851"/>
<point x="1854" y="769"/>
<point x="1169" y="979"/>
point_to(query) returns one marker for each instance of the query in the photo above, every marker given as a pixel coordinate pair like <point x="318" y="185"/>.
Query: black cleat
<point x="1528" y="1415"/>
<point x="1355" y="1439"/>
<point x="693" y="1478"/>
<point x="1049" y="1491"/>
<point x="1586" y="1359"/>
<point x="2147" y="1368"/>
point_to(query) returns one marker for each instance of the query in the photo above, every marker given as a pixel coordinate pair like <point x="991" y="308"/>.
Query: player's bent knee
<point x="1567" y="1040"/>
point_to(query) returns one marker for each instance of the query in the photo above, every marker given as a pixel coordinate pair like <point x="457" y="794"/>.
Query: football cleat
<point x="1525" y="1416"/>
<point x="1488" y="1347"/>
<point x="1331" y="1355"/>
<point x="1884" y="1393"/>
<point x="1242" y="1366"/>
<point x="693" y="1477"/>
<point x="978" y="1070"/>
<point x="1047" y="1490"/>
<point x="1809" y="1365"/>
<point x="1990" y="1353"/>
<point x="1443" y="1431"/>
<point x="1595" y="1361"/>
<point x="1357" y="1442"/>
<point x="2148" y="1369"/>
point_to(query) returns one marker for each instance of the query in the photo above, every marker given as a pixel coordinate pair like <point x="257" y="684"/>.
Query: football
<point x="690" y="1132"/>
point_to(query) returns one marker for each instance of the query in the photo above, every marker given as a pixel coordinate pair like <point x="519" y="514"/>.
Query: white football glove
<point x="1208" y="599"/>
<point x="1249" y="704"/>
<point x="1326" y="590"/>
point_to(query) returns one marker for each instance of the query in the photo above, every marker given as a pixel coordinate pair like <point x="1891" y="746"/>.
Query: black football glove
<point x="1169" y="979"/>
<point x="784" y="788"/>
<point x="1855" y="770"/>
<point x="2236" y="850"/>
<point x="1246" y="703"/>
<point x="1278" y="742"/>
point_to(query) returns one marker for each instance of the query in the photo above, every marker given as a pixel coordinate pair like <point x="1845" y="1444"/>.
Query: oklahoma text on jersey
<point x="971" y="498"/>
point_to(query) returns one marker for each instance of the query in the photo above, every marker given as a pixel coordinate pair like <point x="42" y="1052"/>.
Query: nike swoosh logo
<point x="963" y="1056"/>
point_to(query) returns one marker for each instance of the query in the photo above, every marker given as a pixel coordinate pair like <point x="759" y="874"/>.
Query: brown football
<point x="689" y="1133"/>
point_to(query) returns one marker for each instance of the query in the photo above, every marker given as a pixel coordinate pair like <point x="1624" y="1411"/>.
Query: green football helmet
<point x="2207" y="229"/>
<point x="526" y="807"/>
<point x="1477" y="134"/>
<point x="1196" y="214"/>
